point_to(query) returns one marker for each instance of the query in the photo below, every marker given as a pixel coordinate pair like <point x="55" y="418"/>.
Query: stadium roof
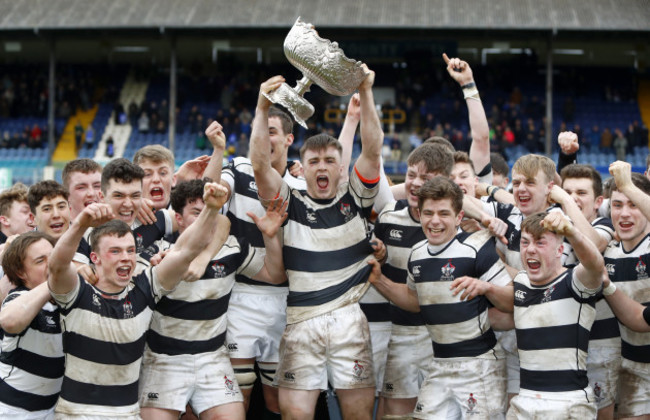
<point x="571" y="15"/>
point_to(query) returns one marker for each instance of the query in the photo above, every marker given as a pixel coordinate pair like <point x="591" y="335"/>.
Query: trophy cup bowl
<point x="320" y="61"/>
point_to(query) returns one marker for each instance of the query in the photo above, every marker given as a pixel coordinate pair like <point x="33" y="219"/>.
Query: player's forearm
<point x="628" y="311"/>
<point x="501" y="321"/>
<point x="66" y="247"/>
<point x="16" y="316"/>
<point x="479" y="151"/>
<point x="398" y="293"/>
<point x="346" y="138"/>
<point x="372" y="136"/>
<point x="213" y="170"/>
<point x="273" y="260"/>
<point x="502" y="297"/>
<point x="582" y="224"/>
<point x="591" y="260"/>
<point x="640" y="199"/>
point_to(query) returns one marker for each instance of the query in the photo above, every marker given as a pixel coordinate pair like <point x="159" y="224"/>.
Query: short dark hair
<point x="533" y="225"/>
<point x="83" y="165"/>
<point x="436" y="158"/>
<point x="121" y="170"/>
<point x="440" y="188"/>
<point x="42" y="190"/>
<point x="13" y="259"/>
<point x="499" y="164"/>
<point x="441" y="141"/>
<point x="639" y="181"/>
<point x="186" y="192"/>
<point x="16" y="193"/>
<point x="114" y="227"/>
<point x="320" y="142"/>
<point x="285" y="119"/>
<point x="576" y="170"/>
<point x="463" y="157"/>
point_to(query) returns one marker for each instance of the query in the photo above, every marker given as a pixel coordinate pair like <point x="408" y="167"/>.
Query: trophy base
<point x="298" y="106"/>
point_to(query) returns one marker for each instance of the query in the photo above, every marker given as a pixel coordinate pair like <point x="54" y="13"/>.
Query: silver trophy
<point x="320" y="61"/>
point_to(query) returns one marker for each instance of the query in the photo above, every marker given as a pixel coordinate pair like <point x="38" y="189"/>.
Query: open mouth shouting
<point x="533" y="264"/>
<point x="57" y="227"/>
<point x="157" y="193"/>
<point x="124" y="272"/>
<point x="323" y="182"/>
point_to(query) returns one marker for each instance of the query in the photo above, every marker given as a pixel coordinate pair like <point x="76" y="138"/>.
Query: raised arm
<point x="372" y="136"/>
<point x="622" y="173"/>
<point x="268" y="180"/>
<point x="631" y="313"/>
<point x="196" y="237"/>
<point x="346" y="137"/>
<point x="400" y="294"/>
<point x="17" y="314"/>
<point x="217" y="139"/>
<point x="592" y="265"/>
<point x="479" y="151"/>
<point x="276" y="213"/>
<point x="502" y="297"/>
<point x="63" y="273"/>
<point x="570" y="207"/>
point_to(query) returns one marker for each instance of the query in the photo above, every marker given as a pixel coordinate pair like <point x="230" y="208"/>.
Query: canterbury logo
<point x="610" y="268"/>
<point x="520" y="295"/>
<point x="252" y="186"/>
<point x="395" y="234"/>
<point x="289" y="376"/>
<point x="232" y="347"/>
<point x="416" y="270"/>
<point x="152" y="395"/>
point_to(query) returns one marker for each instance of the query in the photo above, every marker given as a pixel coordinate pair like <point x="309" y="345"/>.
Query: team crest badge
<point x="548" y="294"/>
<point x="128" y="309"/>
<point x="598" y="391"/>
<point x="138" y="243"/>
<point x="96" y="300"/>
<point x="346" y="211"/>
<point x="471" y="404"/>
<point x="641" y="272"/>
<point x="219" y="270"/>
<point x="358" y="369"/>
<point x="448" y="272"/>
<point x="230" y="386"/>
<point x="311" y="217"/>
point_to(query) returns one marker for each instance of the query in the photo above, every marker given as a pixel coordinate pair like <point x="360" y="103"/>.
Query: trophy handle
<point x="292" y="100"/>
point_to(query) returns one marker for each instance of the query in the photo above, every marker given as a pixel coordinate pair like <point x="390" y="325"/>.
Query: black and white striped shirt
<point x="628" y="269"/>
<point x="400" y="232"/>
<point x="326" y="248"/>
<point x="244" y="198"/>
<point x="104" y="338"/>
<point x="192" y="318"/>
<point x="457" y="328"/>
<point x="31" y="362"/>
<point x="553" y="322"/>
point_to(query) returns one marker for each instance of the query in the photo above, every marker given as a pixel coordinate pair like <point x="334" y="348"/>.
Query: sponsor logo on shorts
<point x="289" y="376"/>
<point x="520" y="295"/>
<point x="471" y="404"/>
<point x="395" y="234"/>
<point x="610" y="269"/>
<point x="232" y="347"/>
<point x="230" y="386"/>
<point x="419" y="407"/>
<point x="252" y="186"/>
<point x="388" y="386"/>
<point x="152" y="395"/>
<point x="359" y="371"/>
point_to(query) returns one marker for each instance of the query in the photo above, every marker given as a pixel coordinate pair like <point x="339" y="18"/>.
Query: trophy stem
<point x="303" y="85"/>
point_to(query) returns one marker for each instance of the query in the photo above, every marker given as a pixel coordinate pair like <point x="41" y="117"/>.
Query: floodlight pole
<point x="50" y="103"/>
<point x="549" y="95"/>
<point x="172" y="94"/>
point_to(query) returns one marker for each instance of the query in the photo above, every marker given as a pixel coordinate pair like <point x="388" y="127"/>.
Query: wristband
<point x="609" y="290"/>
<point x="494" y="190"/>
<point x="470" y="91"/>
